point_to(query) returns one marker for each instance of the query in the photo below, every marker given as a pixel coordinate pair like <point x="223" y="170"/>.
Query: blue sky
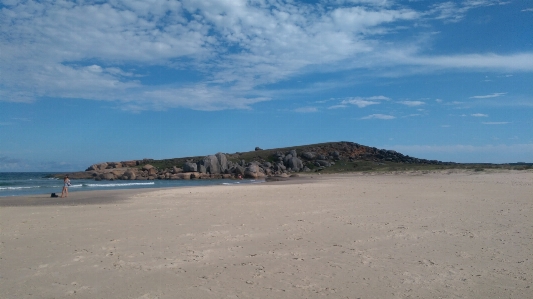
<point x="83" y="82"/>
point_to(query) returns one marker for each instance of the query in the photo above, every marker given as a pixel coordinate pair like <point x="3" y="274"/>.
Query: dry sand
<point x="409" y="235"/>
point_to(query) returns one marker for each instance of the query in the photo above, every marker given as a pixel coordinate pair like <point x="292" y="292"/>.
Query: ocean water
<point x="32" y="183"/>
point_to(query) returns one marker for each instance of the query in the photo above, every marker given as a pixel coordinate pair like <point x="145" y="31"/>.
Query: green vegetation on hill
<point x="344" y="163"/>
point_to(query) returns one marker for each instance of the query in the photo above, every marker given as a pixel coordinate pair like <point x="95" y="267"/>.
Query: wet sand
<point x="451" y="234"/>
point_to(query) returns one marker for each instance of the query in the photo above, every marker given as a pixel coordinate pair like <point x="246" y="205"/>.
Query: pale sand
<point x="459" y="235"/>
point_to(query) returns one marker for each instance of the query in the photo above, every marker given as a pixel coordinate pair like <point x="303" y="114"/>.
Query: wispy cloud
<point x="412" y="103"/>
<point x="455" y="11"/>
<point x="337" y="106"/>
<point x="479" y="115"/>
<point x="363" y="102"/>
<point x="494" y="95"/>
<point x="379" y="116"/>
<point x="306" y="110"/>
<point x="495" y="122"/>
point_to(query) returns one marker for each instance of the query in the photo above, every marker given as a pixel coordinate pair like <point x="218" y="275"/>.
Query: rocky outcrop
<point x="258" y="164"/>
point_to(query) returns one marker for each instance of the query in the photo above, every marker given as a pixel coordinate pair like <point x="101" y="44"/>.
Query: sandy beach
<point x="450" y="234"/>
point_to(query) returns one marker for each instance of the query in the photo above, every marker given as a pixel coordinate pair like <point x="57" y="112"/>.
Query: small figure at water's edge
<point x="66" y="184"/>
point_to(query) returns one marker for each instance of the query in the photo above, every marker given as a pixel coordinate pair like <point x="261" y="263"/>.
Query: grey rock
<point x="189" y="167"/>
<point x="293" y="153"/>
<point x="202" y="169"/>
<point x="223" y="162"/>
<point x="211" y="164"/>
<point x="295" y="164"/>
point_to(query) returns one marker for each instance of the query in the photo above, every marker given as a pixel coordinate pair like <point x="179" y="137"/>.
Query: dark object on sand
<point x="54" y="195"/>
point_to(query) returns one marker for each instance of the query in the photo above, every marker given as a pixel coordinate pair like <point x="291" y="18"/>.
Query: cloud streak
<point x="494" y="95"/>
<point x="379" y="116"/>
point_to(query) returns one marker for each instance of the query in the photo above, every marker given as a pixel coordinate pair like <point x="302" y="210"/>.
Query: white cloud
<point x="337" y="106"/>
<point x="93" y="50"/>
<point x="364" y="102"/>
<point x="527" y="9"/>
<point x="378" y="116"/>
<point x="412" y="103"/>
<point x="479" y="115"/>
<point x="495" y="122"/>
<point x="494" y="95"/>
<point x="359" y="102"/>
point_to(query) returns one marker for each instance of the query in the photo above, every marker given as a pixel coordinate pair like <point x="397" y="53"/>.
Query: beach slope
<point x="400" y="235"/>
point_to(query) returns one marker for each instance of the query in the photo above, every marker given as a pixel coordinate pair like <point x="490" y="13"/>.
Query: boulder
<point x="177" y="169"/>
<point x="293" y="153"/>
<point x="295" y="163"/>
<point x="100" y="166"/>
<point x="152" y="171"/>
<point x="183" y="176"/>
<point x="129" y="175"/>
<point x="147" y="167"/>
<point x="222" y="162"/>
<point x="257" y="148"/>
<point x="114" y="165"/>
<point x="201" y="169"/>
<point x="253" y="175"/>
<point x="279" y="167"/>
<point x="211" y="164"/>
<point x="195" y="175"/>
<point x="253" y="171"/>
<point x="118" y="173"/>
<point x="107" y="176"/>
<point x="189" y="167"/>
<point x="237" y="169"/>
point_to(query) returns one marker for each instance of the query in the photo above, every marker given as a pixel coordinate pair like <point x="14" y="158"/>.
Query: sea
<point x="34" y="183"/>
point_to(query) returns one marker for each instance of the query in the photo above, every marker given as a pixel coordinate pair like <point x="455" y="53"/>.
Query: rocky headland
<point x="255" y="164"/>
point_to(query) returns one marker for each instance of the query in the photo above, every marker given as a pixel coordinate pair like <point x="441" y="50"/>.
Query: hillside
<point x="322" y="157"/>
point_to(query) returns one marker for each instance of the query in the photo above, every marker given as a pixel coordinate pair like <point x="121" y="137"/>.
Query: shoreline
<point x="83" y="196"/>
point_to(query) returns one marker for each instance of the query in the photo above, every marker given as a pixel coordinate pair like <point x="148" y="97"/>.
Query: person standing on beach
<point x="66" y="183"/>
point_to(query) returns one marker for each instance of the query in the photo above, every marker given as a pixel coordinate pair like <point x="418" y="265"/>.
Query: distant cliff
<point x="254" y="164"/>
